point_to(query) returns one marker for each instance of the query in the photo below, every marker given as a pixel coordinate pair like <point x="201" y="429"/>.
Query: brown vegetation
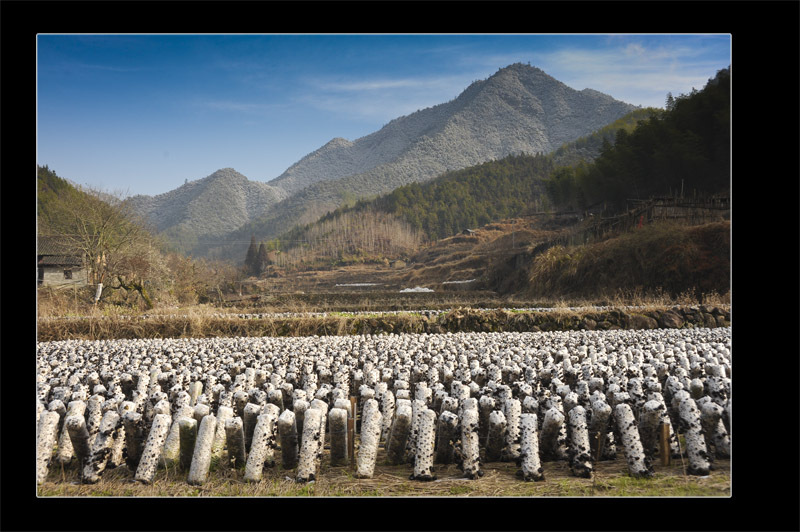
<point x="658" y="258"/>
<point x="611" y="479"/>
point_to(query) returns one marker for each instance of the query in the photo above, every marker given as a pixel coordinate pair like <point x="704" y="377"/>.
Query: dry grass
<point x="610" y="479"/>
<point x="658" y="260"/>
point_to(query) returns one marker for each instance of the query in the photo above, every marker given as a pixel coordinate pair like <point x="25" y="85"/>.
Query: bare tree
<point x="119" y="249"/>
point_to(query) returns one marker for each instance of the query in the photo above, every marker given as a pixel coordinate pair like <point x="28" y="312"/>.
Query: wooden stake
<point x="664" y="449"/>
<point x="351" y="430"/>
<point x="601" y="442"/>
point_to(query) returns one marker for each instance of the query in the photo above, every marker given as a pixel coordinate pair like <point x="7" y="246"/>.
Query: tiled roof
<point x="50" y="245"/>
<point x="59" y="260"/>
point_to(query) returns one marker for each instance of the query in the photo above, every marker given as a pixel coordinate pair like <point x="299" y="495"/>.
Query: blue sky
<point x="141" y="114"/>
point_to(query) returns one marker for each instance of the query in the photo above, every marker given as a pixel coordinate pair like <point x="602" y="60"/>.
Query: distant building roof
<point x="56" y="251"/>
<point x="54" y="245"/>
<point x="60" y="260"/>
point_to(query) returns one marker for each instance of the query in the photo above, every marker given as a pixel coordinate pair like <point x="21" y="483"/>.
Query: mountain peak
<point x="519" y="109"/>
<point x="522" y="70"/>
<point x="338" y="142"/>
<point x="224" y="173"/>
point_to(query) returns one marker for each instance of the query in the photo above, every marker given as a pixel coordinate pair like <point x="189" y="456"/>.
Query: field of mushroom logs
<point x="465" y="398"/>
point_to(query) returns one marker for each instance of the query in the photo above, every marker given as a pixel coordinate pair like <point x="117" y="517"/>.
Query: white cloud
<point x="381" y="99"/>
<point x="633" y="72"/>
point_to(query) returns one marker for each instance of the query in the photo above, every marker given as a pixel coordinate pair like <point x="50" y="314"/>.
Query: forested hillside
<point x="51" y="191"/>
<point x="519" y="109"/>
<point x="685" y="150"/>
<point x="472" y="197"/>
<point x="649" y="152"/>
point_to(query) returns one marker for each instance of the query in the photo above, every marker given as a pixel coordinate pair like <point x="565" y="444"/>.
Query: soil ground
<point x="610" y="479"/>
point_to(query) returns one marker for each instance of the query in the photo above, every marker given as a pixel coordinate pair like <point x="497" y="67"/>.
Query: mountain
<point x="447" y="204"/>
<point x="200" y="213"/>
<point x="519" y="109"/>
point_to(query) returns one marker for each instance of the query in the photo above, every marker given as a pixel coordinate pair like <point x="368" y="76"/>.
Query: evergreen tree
<point x="250" y="259"/>
<point x="262" y="259"/>
<point x="670" y="103"/>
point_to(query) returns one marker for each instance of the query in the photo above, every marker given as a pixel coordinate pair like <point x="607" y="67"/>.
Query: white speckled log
<point x="187" y="428"/>
<point x="78" y="436"/>
<point x="699" y="463"/>
<point x="262" y="447"/>
<point x="552" y="447"/>
<point x="417" y="406"/>
<point x="570" y="402"/>
<point x="461" y="393"/>
<point x="148" y="463"/>
<point x="714" y="429"/>
<point x="696" y="388"/>
<point x="512" y="412"/>
<point x="134" y="438"/>
<point x="300" y="407"/>
<point x="275" y="397"/>
<point x="287" y="432"/>
<point x="496" y="436"/>
<point x="101" y="448"/>
<point x="438" y="397"/>
<point x="726" y="418"/>
<point x="638" y="463"/>
<point x="423" y="393"/>
<point x="486" y="405"/>
<point x="446" y="436"/>
<point x="370" y="435"/>
<point x="249" y="420"/>
<point x="65" y="451"/>
<point x="579" y="446"/>
<point x="343" y="402"/>
<point x="45" y="442"/>
<point x="39" y="409"/>
<point x="423" y="463"/>
<point x="337" y="421"/>
<point x="195" y="389"/>
<point x="287" y="391"/>
<point x="666" y="420"/>
<point x="322" y="406"/>
<point x="398" y="435"/>
<point x="199" y="411"/>
<point x="240" y="399"/>
<point x="387" y="411"/>
<point x="201" y="459"/>
<point x="57" y="405"/>
<point x="94" y="414"/>
<point x="530" y="405"/>
<point x="269" y="455"/>
<point x="234" y="437"/>
<point x="529" y="448"/>
<point x="598" y="427"/>
<point x="718" y="389"/>
<point x="117" y="456"/>
<point x="224" y="413"/>
<point x="450" y="404"/>
<point x="650" y="426"/>
<point x="470" y="444"/>
<point x="172" y="446"/>
<point x="309" y="446"/>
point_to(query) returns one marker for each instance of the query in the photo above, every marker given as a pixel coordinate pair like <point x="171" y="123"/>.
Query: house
<point x="59" y="264"/>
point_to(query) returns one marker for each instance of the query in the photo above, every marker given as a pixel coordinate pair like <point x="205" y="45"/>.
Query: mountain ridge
<point x="519" y="109"/>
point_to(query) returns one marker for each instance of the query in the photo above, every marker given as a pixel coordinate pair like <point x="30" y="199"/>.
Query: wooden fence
<point x="682" y="210"/>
